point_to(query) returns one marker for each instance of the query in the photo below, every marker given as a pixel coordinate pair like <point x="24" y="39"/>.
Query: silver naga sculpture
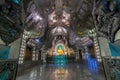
<point x="106" y="15"/>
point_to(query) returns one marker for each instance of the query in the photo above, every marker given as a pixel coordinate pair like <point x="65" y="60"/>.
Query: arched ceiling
<point x="81" y="11"/>
<point x="12" y="15"/>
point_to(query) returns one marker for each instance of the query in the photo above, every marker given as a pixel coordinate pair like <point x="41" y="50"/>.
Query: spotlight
<point x="37" y="17"/>
<point x="37" y="40"/>
<point x="54" y="21"/>
<point x="63" y="20"/>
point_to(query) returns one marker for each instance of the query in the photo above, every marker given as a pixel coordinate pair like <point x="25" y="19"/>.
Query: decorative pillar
<point x="97" y="47"/>
<point x="77" y="54"/>
<point x="23" y="47"/>
<point x="86" y="52"/>
<point x="34" y="54"/>
<point x="43" y="54"/>
<point x="37" y="55"/>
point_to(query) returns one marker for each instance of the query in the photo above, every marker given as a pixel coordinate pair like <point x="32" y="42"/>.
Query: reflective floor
<point x="72" y="71"/>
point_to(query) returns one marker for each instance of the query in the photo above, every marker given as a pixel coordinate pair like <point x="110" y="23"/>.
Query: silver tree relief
<point x="106" y="18"/>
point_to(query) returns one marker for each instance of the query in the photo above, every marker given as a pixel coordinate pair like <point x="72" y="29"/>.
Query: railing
<point x="112" y="68"/>
<point x="8" y="69"/>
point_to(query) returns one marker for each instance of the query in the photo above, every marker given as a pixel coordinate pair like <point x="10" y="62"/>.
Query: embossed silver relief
<point x="112" y="68"/>
<point x="106" y="18"/>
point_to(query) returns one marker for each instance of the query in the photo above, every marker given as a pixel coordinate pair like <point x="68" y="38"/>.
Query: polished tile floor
<point x="72" y="71"/>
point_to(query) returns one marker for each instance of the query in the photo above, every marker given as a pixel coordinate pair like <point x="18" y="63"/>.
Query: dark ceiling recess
<point x="11" y="25"/>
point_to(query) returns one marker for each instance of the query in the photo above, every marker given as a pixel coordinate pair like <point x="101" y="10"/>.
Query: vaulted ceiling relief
<point x="36" y="16"/>
<point x="55" y="20"/>
<point x="39" y="17"/>
<point x="11" y="24"/>
<point x="106" y="16"/>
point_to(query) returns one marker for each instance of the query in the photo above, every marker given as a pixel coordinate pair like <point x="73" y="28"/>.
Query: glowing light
<point x="16" y="1"/>
<point x="65" y="53"/>
<point x="66" y="15"/>
<point x="92" y="63"/>
<point x="59" y="29"/>
<point x="33" y="54"/>
<point x="54" y="21"/>
<point x="36" y="17"/>
<point x="37" y="40"/>
<point x="80" y="33"/>
<point x="63" y="20"/>
<point x="40" y="26"/>
<point x="51" y="18"/>
<point x="60" y="60"/>
<point x="33" y="58"/>
<point x="60" y="50"/>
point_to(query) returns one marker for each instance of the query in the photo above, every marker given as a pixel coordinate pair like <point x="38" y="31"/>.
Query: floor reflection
<point x="71" y="71"/>
<point x="92" y="64"/>
<point x="61" y="73"/>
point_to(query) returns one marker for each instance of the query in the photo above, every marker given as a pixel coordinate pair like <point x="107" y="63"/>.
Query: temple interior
<point x="59" y="39"/>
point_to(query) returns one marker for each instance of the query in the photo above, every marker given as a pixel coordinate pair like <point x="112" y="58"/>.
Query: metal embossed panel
<point x="8" y="69"/>
<point x="112" y="68"/>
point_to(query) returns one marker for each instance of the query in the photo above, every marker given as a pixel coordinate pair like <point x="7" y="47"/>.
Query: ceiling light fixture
<point x="63" y="20"/>
<point x="54" y="21"/>
<point x="36" y="17"/>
